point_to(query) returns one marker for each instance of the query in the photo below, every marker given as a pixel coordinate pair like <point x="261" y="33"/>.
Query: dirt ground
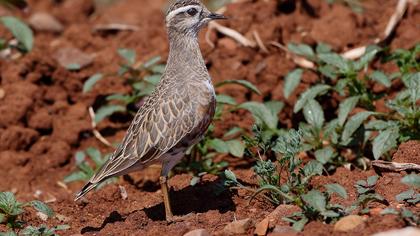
<point x="44" y="114"/>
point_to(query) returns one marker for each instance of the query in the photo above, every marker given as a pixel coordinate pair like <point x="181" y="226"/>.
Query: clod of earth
<point x="238" y="227"/>
<point x="348" y="223"/>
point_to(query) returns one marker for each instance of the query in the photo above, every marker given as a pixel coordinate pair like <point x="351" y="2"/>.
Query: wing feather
<point x="155" y="129"/>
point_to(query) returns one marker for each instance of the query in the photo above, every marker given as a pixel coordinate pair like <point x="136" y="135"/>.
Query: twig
<point x="231" y="33"/>
<point x="96" y="133"/>
<point x="115" y="26"/>
<point x="301" y="61"/>
<point x="399" y="12"/>
<point x="259" y="41"/>
<point x="394" y="166"/>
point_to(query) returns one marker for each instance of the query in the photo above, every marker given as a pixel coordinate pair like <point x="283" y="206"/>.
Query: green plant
<point x="295" y="187"/>
<point x="43" y="230"/>
<point x="366" y="193"/>
<point x="410" y="196"/>
<point x="406" y="215"/>
<point x="85" y="170"/>
<point x="20" y="31"/>
<point x="367" y="133"/>
<point x="11" y="211"/>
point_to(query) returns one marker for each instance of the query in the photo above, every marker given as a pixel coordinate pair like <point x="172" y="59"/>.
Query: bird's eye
<point x="192" y="11"/>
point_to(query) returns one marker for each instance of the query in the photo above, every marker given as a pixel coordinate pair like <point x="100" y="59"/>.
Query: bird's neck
<point x="185" y="57"/>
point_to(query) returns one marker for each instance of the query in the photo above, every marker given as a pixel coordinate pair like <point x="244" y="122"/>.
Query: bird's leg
<point x="166" y="201"/>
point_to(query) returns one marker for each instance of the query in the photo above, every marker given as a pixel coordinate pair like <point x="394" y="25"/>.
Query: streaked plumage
<point x="178" y="112"/>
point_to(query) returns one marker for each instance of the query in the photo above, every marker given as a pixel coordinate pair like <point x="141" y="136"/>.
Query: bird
<point x="179" y="111"/>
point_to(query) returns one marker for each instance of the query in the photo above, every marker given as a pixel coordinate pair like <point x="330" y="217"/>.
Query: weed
<point x="366" y="194"/>
<point x="11" y="211"/>
<point x="85" y="171"/>
<point x="328" y="139"/>
<point x="20" y="31"/>
<point x="295" y="187"/>
<point x="406" y="215"/>
<point x="411" y="196"/>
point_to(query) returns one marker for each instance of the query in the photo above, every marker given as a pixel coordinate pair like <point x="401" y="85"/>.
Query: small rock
<point x="62" y="218"/>
<point x="42" y="216"/>
<point x="43" y="21"/>
<point x="409" y="231"/>
<point x="238" y="227"/>
<point x="376" y="211"/>
<point x="197" y="232"/>
<point x="261" y="227"/>
<point x="72" y="58"/>
<point x="348" y="223"/>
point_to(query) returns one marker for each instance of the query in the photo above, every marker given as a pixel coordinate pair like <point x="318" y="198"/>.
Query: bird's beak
<point x="216" y="16"/>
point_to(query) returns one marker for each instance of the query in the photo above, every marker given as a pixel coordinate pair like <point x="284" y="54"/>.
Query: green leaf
<point x="91" y="82"/>
<point x="323" y="48"/>
<point x="324" y="155"/>
<point x="299" y="225"/>
<point x="371" y="181"/>
<point x="95" y="155"/>
<point x="9" y="205"/>
<point x="314" y="114"/>
<point x="310" y="94"/>
<point x="20" y="31"/>
<point x="292" y="80"/>
<point x="369" y="55"/>
<point x="312" y="168"/>
<point x="233" y="131"/>
<point x="406" y="195"/>
<point x="73" y="67"/>
<point x="335" y="60"/>
<point x="346" y="107"/>
<point x="75" y="176"/>
<point x="275" y="107"/>
<point x="316" y="200"/>
<point x="244" y="83"/>
<point x="302" y="50"/>
<point x="153" y="79"/>
<point x="218" y="145"/>
<point x="389" y="211"/>
<point x="381" y="78"/>
<point x="236" y="148"/>
<point x="353" y="124"/>
<point x="152" y="61"/>
<point x="336" y="188"/>
<point x="261" y="114"/>
<point x="385" y="141"/>
<point x="129" y="55"/>
<point x="412" y="180"/>
<point x="43" y="208"/>
<point x="230" y="176"/>
<point x="2" y="218"/>
<point x="225" y="99"/>
<point x="106" y="111"/>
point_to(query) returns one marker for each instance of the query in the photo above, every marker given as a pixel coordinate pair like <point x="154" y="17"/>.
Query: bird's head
<point x="187" y="17"/>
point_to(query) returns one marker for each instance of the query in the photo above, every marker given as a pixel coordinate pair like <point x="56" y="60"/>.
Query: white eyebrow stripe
<point x="181" y="9"/>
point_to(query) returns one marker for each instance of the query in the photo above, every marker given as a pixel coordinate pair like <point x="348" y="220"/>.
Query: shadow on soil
<point x="195" y="199"/>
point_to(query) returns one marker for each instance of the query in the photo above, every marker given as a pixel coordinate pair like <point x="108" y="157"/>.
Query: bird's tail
<point x="89" y="186"/>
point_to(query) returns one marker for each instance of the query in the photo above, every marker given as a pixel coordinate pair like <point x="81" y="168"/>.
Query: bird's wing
<point x="158" y="126"/>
